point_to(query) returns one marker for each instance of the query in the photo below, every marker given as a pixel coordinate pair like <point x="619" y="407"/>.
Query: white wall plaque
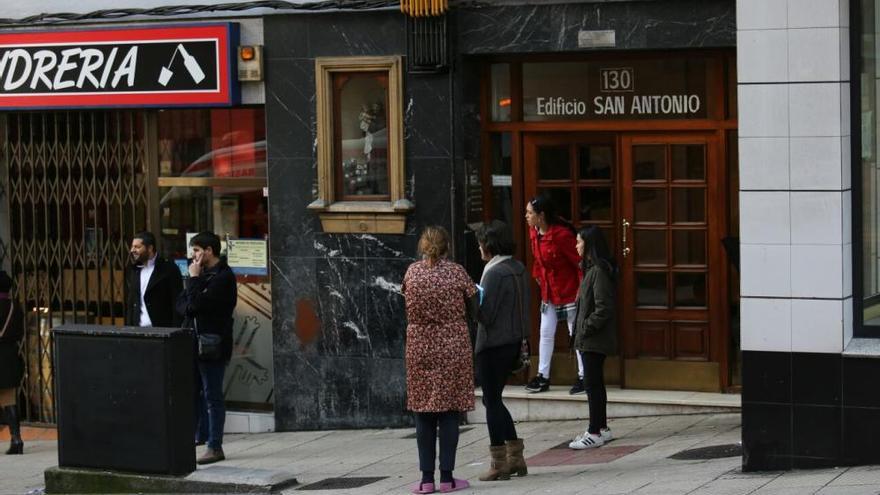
<point x="596" y="39"/>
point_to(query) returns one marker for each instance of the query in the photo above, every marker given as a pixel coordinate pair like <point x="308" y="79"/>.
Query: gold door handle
<point x="626" y="249"/>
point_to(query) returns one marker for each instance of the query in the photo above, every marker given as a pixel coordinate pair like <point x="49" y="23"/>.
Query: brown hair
<point x="434" y="243"/>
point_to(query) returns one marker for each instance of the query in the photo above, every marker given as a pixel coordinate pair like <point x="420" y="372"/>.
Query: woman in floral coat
<point x="439" y="365"/>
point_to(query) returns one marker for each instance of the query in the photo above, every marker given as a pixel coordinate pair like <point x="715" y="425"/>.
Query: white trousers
<point x="548" y="339"/>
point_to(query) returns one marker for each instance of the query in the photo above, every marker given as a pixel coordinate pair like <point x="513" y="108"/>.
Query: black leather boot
<point x="16" y="445"/>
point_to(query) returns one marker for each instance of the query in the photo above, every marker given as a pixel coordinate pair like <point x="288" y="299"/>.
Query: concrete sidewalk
<point x="636" y="462"/>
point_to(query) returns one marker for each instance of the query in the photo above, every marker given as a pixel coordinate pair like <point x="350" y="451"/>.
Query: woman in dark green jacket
<point x="596" y="330"/>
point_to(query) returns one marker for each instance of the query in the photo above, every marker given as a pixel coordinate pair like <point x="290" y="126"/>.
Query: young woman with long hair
<point x="556" y="268"/>
<point x="596" y="330"/>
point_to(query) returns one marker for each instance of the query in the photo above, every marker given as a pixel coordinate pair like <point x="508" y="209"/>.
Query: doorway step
<point x="555" y="404"/>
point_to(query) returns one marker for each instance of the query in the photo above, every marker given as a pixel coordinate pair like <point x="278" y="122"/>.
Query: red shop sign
<point x="167" y="66"/>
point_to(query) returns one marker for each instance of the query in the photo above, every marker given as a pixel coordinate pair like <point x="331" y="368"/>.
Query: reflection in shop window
<point x="234" y="213"/>
<point x="212" y="176"/>
<point x="230" y="212"/>
<point x="212" y="143"/>
<point x="501" y="99"/>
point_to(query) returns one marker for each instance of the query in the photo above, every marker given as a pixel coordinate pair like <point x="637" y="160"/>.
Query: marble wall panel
<point x="637" y="25"/>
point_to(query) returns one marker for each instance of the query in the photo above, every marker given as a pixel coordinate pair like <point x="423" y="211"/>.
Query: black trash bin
<point x="125" y="398"/>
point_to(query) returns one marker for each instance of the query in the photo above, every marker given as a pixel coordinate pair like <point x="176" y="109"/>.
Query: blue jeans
<point x="210" y="408"/>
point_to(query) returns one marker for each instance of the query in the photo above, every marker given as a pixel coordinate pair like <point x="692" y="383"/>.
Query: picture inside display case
<point x="362" y="134"/>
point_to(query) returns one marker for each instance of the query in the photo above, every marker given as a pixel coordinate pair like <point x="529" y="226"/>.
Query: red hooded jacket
<point x="556" y="265"/>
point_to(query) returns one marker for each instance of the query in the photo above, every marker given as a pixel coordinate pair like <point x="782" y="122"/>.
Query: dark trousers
<point x="493" y="367"/>
<point x="426" y="439"/>
<point x="211" y="407"/>
<point x="594" y="382"/>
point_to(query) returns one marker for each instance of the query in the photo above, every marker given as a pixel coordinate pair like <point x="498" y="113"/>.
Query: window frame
<point x="860" y="330"/>
<point x="342" y="214"/>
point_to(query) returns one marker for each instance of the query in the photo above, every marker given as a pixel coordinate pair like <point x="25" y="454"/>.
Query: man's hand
<point x="195" y="269"/>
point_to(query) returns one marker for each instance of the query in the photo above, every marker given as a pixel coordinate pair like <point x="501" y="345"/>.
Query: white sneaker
<point x="605" y="433"/>
<point x="587" y="441"/>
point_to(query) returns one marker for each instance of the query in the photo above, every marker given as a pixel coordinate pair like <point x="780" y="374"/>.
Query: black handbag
<point x="523" y="359"/>
<point x="210" y="344"/>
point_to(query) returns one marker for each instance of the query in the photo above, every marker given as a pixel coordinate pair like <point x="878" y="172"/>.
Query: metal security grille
<point x="426" y="44"/>
<point x="77" y="192"/>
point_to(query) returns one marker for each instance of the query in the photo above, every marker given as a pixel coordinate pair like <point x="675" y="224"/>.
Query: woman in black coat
<point x="11" y="366"/>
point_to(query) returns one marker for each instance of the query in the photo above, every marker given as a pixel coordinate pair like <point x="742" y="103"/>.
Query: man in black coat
<point x="153" y="284"/>
<point x="207" y="303"/>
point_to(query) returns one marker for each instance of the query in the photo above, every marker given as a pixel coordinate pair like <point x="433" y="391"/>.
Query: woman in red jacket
<point x="556" y="268"/>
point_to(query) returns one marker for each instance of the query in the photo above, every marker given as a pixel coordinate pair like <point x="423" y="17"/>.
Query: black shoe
<point x="15" y="448"/>
<point x="538" y="384"/>
<point x="577" y="388"/>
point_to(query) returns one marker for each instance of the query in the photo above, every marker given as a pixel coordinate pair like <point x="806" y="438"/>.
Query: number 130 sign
<point x="619" y="79"/>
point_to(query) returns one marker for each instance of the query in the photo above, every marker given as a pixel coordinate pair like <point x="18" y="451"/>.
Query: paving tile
<point x="862" y="475"/>
<point x="731" y="486"/>
<point x="561" y="455"/>
<point x="806" y="478"/>
<point x="850" y="490"/>
<point x="796" y="490"/>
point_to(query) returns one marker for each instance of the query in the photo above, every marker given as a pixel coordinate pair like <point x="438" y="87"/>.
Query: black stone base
<point x="214" y="479"/>
<point x="809" y="410"/>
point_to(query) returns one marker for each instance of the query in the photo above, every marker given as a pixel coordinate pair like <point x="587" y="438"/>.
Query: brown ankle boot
<point x="211" y="456"/>
<point x="516" y="464"/>
<point x="498" y="470"/>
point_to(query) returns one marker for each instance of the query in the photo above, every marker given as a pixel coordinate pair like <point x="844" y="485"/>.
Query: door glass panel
<point x="595" y="162"/>
<point x="610" y="238"/>
<point x="651" y="289"/>
<point x="649" y="162"/>
<point x="502" y="190"/>
<point x="688" y="204"/>
<point x="561" y="198"/>
<point x="690" y="289"/>
<point x="688" y="162"/>
<point x="650" y="205"/>
<point x="689" y="247"/>
<point x="553" y="163"/>
<point x="501" y="92"/>
<point x="650" y="247"/>
<point x="595" y="203"/>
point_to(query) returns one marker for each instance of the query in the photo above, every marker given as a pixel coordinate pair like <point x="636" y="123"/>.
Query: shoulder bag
<point x="523" y="360"/>
<point x="210" y="344"/>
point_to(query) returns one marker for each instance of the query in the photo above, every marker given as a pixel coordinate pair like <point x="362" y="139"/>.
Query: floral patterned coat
<point x="439" y="363"/>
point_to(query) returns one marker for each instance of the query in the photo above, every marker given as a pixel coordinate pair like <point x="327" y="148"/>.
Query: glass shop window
<point x="868" y="188"/>
<point x="212" y="143"/>
<point x="212" y="176"/>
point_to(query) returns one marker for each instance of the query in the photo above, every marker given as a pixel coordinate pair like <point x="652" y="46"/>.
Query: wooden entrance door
<point x="672" y="208"/>
<point x="579" y="172"/>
